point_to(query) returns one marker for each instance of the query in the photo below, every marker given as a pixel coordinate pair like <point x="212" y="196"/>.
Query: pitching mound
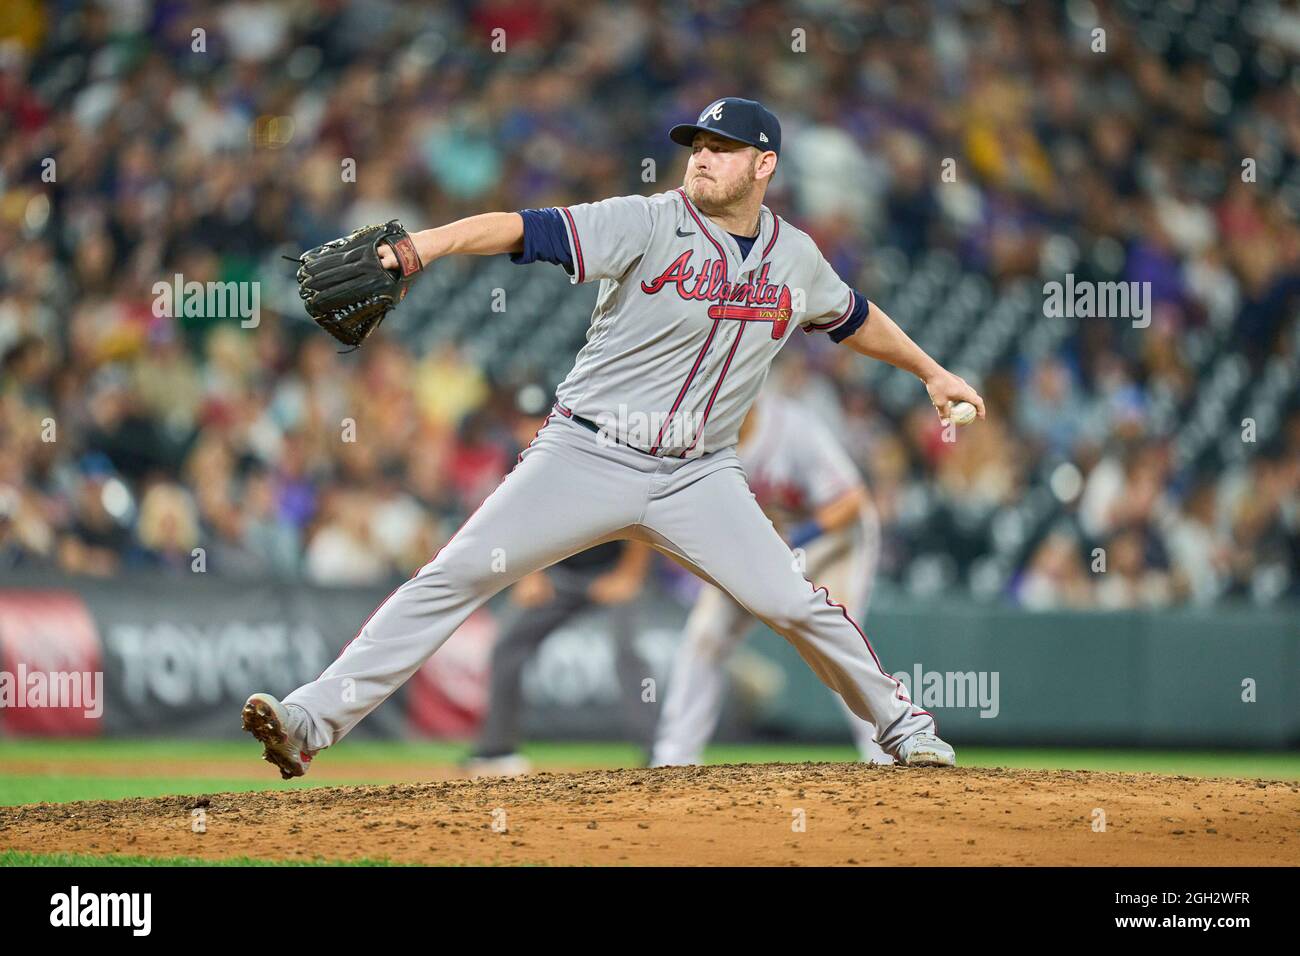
<point x="771" y="814"/>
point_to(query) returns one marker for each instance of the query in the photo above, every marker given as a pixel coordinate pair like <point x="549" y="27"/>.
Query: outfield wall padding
<point x="179" y="654"/>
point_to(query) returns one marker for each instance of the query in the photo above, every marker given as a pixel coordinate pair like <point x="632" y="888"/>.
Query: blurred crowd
<point x="142" y="140"/>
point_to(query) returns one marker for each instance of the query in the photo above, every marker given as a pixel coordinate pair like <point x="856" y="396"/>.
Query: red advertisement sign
<point x="448" y="695"/>
<point x="51" y="672"/>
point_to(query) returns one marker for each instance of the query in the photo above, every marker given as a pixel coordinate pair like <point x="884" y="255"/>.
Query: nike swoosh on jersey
<point x="683" y="235"/>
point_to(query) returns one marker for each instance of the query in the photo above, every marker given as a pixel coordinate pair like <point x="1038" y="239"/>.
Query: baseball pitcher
<point x="806" y="483"/>
<point x="699" y="289"/>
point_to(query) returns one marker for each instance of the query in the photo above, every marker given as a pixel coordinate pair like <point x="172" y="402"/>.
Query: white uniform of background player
<point x="796" y="469"/>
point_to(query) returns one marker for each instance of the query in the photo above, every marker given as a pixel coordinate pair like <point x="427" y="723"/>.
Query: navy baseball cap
<point x="747" y="121"/>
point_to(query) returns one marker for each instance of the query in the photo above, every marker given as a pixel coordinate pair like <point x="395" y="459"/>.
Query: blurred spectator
<point x="343" y="549"/>
<point x="1199" y="550"/>
<point x="1130" y="578"/>
<point x="1056" y="576"/>
<point x="946" y="157"/>
<point x="168" y="527"/>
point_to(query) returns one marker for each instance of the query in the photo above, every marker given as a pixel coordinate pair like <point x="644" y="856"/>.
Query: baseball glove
<point x="346" y="289"/>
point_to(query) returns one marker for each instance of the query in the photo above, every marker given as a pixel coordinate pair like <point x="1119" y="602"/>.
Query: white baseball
<point x="963" y="413"/>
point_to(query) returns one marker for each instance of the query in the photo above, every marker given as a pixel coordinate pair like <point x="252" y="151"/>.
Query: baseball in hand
<point x="962" y="413"/>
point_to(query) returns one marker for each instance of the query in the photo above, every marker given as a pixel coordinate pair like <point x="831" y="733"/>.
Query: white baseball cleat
<point x="926" y="750"/>
<point x="267" y="720"/>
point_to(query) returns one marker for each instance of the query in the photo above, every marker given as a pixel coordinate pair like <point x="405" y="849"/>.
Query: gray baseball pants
<point x="573" y="489"/>
<point x="845" y="562"/>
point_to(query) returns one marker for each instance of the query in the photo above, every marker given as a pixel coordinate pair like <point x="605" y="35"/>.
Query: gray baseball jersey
<point x="684" y="330"/>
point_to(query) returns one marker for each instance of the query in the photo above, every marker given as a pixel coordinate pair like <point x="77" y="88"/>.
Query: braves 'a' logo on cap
<point x="715" y="111"/>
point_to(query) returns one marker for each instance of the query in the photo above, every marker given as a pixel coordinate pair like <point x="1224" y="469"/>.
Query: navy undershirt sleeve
<point x="855" y="319"/>
<point x="545" y="239"/>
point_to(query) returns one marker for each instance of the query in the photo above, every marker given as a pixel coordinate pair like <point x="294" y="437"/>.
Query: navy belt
<point x="591" y="426"/>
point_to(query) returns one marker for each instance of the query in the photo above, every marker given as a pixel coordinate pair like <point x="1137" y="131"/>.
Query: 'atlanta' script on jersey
<point x="738" y="301"/>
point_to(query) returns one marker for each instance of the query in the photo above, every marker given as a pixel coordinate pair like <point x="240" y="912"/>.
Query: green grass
<point x="63" y="788"/>
<point x="171" y="749"/>
<point x="14" y="858"/>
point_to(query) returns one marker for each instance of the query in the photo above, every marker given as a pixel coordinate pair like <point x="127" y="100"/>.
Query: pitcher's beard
<point x="716" y="201"/>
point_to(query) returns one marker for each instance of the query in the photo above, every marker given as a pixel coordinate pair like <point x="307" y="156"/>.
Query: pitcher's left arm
<point x="880" y="338"/>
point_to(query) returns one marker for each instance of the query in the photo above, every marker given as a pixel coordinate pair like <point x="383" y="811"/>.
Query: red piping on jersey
<point x="776" y="228"/>
<point x="713" y="331"/>
<point x="703" y="228"/>
<point x="828" y="326"/>
<point x="577" y="243"/>
<point x="368" y="619"/>
<point x="685" y="385"/>
<point x="722" y="375"/>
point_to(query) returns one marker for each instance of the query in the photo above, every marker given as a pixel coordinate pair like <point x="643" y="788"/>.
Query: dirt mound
<point x="771" y="814"/>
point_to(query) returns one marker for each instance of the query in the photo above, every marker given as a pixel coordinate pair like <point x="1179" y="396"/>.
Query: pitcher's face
<point x="721" y="172"/>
